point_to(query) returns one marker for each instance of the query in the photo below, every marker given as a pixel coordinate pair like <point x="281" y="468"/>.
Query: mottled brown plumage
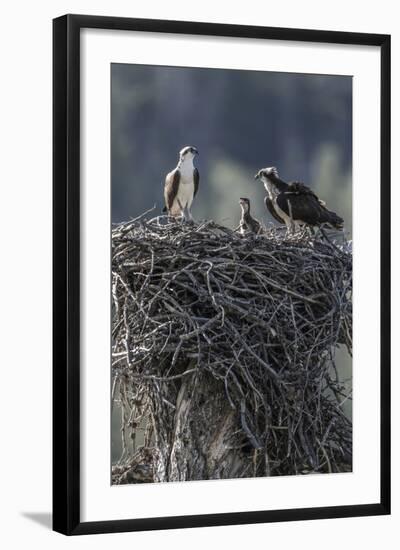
<point x="247" y="222"/>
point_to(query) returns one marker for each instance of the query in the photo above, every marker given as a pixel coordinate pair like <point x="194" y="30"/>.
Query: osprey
<point x="181" y="185"/>
<point x="247" y="222"/>
<point x="294" y="203"/>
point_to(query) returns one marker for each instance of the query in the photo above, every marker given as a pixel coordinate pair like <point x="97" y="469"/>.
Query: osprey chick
<point x="294" y="203"/>
<point x="181" y="185"/>
<point x="247" y="222"/>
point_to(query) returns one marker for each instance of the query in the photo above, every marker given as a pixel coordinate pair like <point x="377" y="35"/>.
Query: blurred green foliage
<point x="240" y="121"/>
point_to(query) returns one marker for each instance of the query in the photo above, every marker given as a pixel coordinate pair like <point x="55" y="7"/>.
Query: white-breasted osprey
<point x="247" y="222"/>
<point x="181" y="185"/>
<point x="294" y="203"/>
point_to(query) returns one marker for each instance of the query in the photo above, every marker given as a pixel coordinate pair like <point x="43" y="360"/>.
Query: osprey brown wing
<point x="303" y="204"/>
<point x="299" y="187"/>
<point x="171" y="188"/>
<point x="269" y="205"/>
<point x="196" y="180"/>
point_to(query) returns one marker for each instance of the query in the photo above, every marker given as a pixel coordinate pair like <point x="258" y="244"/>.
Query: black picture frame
<point x="66" y="272"/>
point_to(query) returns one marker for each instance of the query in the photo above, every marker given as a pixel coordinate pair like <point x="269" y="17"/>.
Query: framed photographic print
<point x="221" y="274"/>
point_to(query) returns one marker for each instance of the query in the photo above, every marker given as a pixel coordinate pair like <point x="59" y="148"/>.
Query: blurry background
<point x="240" y="121"/>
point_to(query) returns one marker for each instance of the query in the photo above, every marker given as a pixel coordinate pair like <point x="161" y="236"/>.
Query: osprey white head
<point x="270" y="178"/>
<point x="244" y="204"/>
<point x="188" y="153"/>
<point x="267" y="174"/>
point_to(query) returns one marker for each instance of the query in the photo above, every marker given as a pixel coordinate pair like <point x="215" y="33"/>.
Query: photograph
<point x="200" y="264"/>
<point x="231" y="284"/>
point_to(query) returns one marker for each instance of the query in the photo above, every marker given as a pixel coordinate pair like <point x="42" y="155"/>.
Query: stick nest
<point x="262" y="315"/>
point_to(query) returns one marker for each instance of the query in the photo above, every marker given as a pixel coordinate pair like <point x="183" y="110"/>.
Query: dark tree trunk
<point x="195" y="437"/>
